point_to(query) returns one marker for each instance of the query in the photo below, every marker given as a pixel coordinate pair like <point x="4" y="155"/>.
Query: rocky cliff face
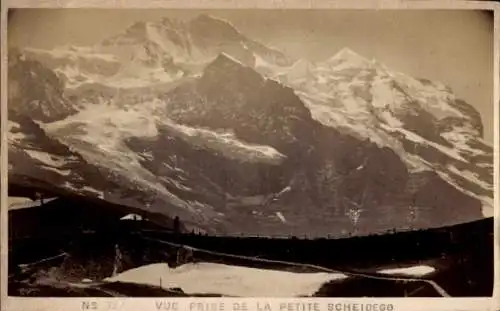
<point x="234" y="137"/>
<point x="35" y="90"/>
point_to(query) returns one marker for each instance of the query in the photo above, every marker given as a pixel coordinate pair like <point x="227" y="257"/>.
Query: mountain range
<point x="194" y="119"/>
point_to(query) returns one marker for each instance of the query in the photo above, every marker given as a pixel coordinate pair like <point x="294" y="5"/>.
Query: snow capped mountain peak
<point x="228" y="67"/>
<point x="207" y="18"/>
<point x="207" y="77"/>
<point x="348" y="56"/>
<point x="348" y="59"/>
<point x="212" y="21"/>
<point x="346" y="53"/>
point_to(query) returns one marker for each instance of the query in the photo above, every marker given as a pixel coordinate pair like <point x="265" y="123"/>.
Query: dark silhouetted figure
<point x="177" y="225"/>
<point x="39" y="196"/>
<point x="117" y="266"/>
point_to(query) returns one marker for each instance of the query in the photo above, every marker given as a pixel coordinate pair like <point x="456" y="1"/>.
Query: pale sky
<point x="451" y="46"/>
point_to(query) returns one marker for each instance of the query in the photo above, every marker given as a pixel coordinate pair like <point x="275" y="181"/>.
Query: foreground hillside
<point x="99" y="253"/>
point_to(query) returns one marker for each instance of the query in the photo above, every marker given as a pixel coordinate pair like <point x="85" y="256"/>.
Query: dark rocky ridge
<point x="35" y="90"/>
<point x="263" y="111"/>
<point x="90" y="232"/>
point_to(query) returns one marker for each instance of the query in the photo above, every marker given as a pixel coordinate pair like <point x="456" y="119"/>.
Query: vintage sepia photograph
<point x="250" y="153"/>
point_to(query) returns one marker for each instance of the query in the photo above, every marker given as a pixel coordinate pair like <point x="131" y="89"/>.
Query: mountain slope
<point x="422" y="121"/>
<point x="35" y="90"/>
<point x="233" y="137"/>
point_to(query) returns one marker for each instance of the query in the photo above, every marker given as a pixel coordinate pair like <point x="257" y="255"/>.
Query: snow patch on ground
<point x="20" y="203"/>
<point x="451" y="152"/>
<point x="487" y="207"/>
<point x="228" y="280"/>
<point x="337" y="118"/>
<point x="232" y="59"/>
<point x="487" y="202"/>
<point x="14" y="138"/>
<point x="226" y="143"/>
<point x="415" y="163"/>
<point x="460" y="141"/>
<point x="98" y="133"/>
<point x="74" y="52"/>
<point x="383" y="94"/>
<point x="470" y="176"/>
<point x="281" y="217"/>
<point x="99" y="194"/>
<point x="66" y="172"/>
<point x="140" y="77"/>
<point x="412" y="271"/>
<point x="11" y="125"/>
<point x="45" y="158"/>
<point x="435" y="95"/>
<point x="132" y="217"/>
<point x="11" y="201"/>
